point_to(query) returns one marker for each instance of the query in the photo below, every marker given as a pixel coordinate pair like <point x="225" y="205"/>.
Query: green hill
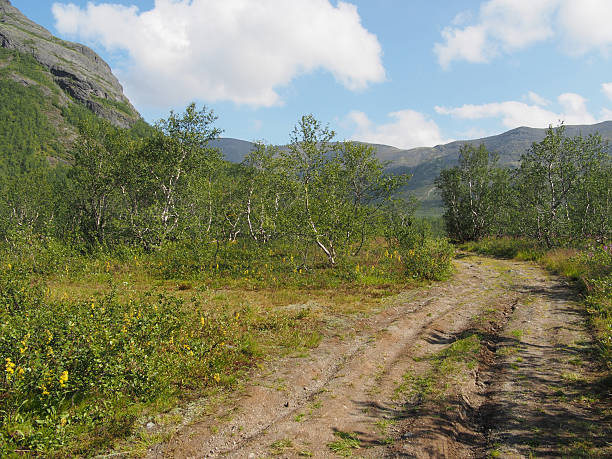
<point x="47" y="86"/>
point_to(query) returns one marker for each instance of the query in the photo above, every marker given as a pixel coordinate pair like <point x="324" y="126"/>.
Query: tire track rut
<point x="298" y="406"/>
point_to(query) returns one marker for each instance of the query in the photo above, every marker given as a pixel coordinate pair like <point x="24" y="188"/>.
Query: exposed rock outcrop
<point x="77" y="69"/>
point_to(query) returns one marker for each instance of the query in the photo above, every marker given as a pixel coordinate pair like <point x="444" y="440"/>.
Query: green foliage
<point x="424" y="256"/>
<point x="345" y="444"/>
<point x="340" y="189"/>
<point x="563" y="188"/>
<point x="72" y="367"/>
<point x="431" y="260"/>
<point x="26" y="130"/>
<point x="473" y="193"/>
<point x="560" y="194"/>
<point x="507" y="247"/>
<point x="123" y="107"/>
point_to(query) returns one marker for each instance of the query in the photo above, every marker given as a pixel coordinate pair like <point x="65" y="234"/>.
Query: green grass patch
<point x="120" y="106"/>
<point x="446" y="365"/>
<point x="77" y="374"/>
<point x="345" y="444"/>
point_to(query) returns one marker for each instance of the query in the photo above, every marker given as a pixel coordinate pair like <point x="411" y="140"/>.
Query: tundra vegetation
<point x="555" y="208"/>
<point x="145" y="271"/>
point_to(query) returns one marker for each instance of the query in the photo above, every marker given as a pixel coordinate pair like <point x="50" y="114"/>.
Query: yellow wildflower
<point x="63" y="378"/>
<point x="44" y="390"/>
<point x="10" y="366"/>
<point x="202" y="321"/>
<point x="217" y="377"/>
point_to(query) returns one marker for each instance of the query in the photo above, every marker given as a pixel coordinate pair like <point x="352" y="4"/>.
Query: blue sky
<point x="398" y="72"/>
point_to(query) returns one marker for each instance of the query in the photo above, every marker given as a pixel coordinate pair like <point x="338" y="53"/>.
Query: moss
<point x="123" y="107"/>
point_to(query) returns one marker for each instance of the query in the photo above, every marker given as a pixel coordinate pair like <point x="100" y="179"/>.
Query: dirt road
<point x="493" y="363"/>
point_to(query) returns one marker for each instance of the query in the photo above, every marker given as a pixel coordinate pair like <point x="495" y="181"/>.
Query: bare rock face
<point x="77" y="69"/>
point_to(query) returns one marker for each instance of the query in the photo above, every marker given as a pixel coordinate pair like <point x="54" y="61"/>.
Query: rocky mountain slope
<point x="77" y="70"/>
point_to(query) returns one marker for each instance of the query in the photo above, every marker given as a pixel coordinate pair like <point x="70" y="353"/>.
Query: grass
<point x="345" y="444"/>
<point x="112" y="104"/>
<point x="445" y="366"/>
<point x="280" y="446"/>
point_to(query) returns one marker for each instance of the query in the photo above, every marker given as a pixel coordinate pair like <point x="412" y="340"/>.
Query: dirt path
<point x="491" y="363"/>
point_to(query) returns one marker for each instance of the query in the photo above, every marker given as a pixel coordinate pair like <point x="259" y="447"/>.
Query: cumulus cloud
<point x="573" y="110"/>
<point x="235" y="50"/>
<point x="505" y="26"/>
<point x="407" y="129"/>
<point x="606" y="114"/>
<point x="537" y="99"/>
<point x="586" y="25"/>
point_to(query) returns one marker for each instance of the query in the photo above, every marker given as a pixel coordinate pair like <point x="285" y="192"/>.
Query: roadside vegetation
<point x="146" y="272"/>
<point x="555" y="208"/>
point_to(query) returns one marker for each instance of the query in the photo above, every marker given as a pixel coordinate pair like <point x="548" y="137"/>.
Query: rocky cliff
<point x="75" y="68"/>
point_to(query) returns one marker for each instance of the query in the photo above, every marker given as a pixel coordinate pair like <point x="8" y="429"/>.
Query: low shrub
<point x="430" y="260"/>
<point x="71" y="369"/>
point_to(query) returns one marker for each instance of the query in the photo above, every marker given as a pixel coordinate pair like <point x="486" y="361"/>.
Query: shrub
<point x="66" y="364"/>
<point x="431" y="260"/>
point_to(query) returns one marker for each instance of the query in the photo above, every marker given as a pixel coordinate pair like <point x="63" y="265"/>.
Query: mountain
<point x="234" y="150"/>
<point x="425" y="163"/>
<point x="75" y="68"/>
<point x="47" y="86"/>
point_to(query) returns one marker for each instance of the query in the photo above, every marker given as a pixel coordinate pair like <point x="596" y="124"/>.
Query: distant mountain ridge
<point x="425" y="163"/>
<point x="508" y="145"/>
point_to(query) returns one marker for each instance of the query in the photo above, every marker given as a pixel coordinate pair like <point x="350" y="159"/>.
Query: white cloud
<point x="408" y="129"/>
<point x="606" y="114"/>
<point x="475" y="133"/>
<point x="237" y="50"/>
<point x="505" y="26"/>
<point x="537" y="99"/>
<point x="469" y="44"/>
<point x="586" y="25"/>
<point x="514" y="113"/>
<point x="607" y="90"/>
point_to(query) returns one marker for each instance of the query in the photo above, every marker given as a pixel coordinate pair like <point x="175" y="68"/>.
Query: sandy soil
<point x="534" y="390"/>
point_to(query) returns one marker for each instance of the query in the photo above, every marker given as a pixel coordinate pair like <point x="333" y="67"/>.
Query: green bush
<point x="506" y="247"/>
<point x="66" y="365"/>
<point x="431" y="260"/>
